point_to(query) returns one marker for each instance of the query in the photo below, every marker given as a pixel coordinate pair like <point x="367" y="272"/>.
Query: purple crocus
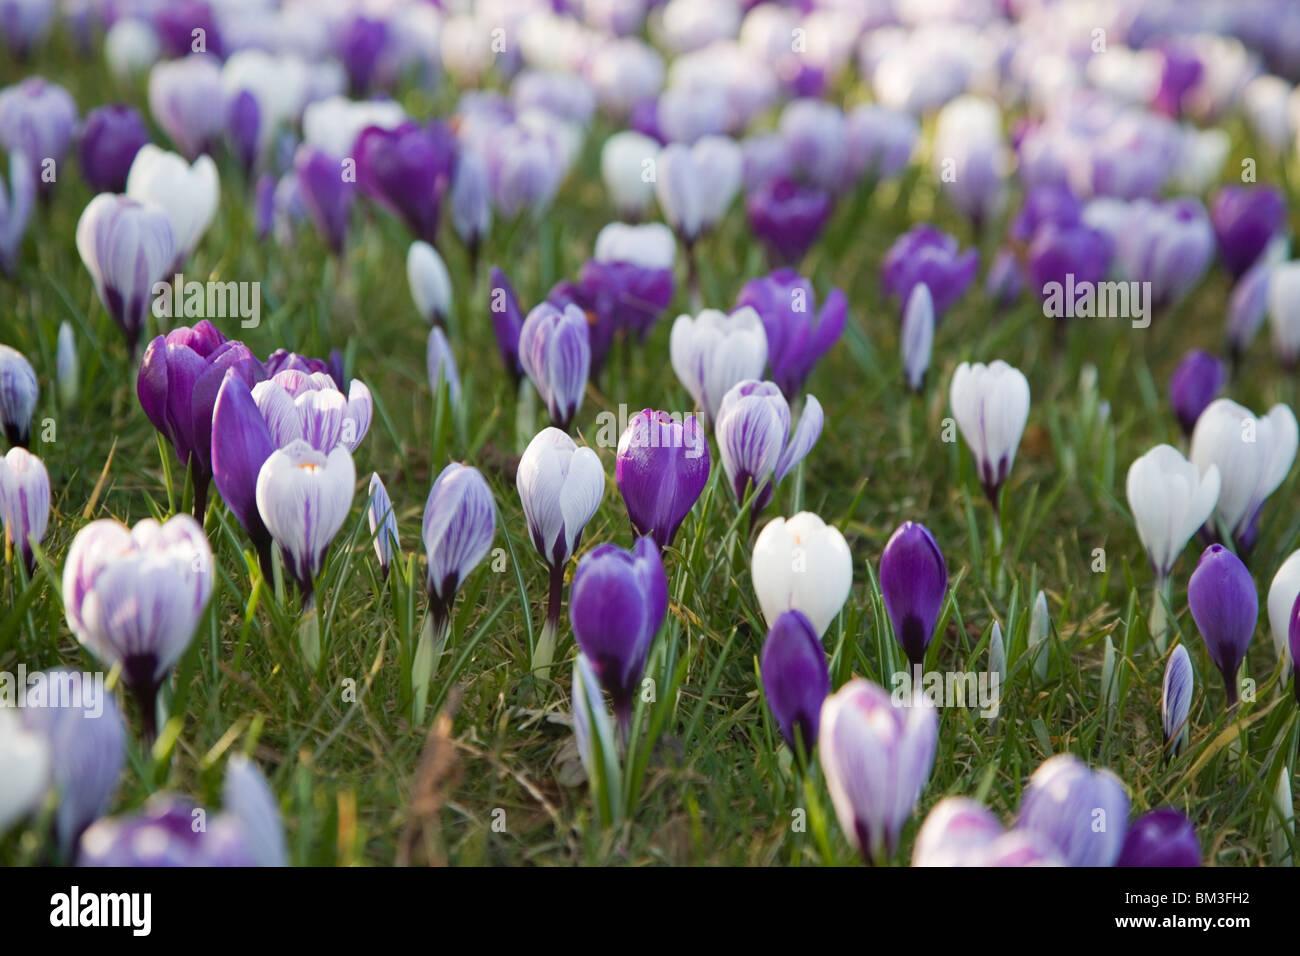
<point x="755" y="440"/>
<point x="925" y="254"/>
<point x="16" y="202"/>
<point x="177" y="21"/>
<point x="470" y="200"/>
<point x="1246" y="219"/>
<point x="555" y="352"/>
<point x="126" y="247"/>
<point x="629" y="280"/>
<point x="459" y="522"/>
<point x="913" y="580"/>
<point x="241" y="443"/>
<point x="1005" y="280"/>
<point x="360" y="44"/>
<point x="616" y="606"/>
<point x="1162" y="837"/>
<point x="1051" y="203"/>
<point x="1221" y="596"/>
<point x="19" y="391"/>
<point x="243" y="127"/>
<point x="1247" y="308"/>
<point x="37" y="119"/>
<point x="326" y="194"/>
<point x="1196" y="382"/>
<point x="187" y="100"/>
<point x="25" y="24"/>
<point x="798" y="335"/>
<point x="407" y="170"/>
<point x="1293" y="644"/>
<point x="788" y="217"/>
<point x="1081" y="812"/>
<point x="661" y="469"/>
<point x="1062" y="259"/>
<point x="796" y="679"/>
<point x="507" y="322"/>
<point x="110" y="138"/>
<point x="164" y="834"/>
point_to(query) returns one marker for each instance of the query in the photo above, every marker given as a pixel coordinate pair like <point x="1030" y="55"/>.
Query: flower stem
<point x="1160" y="615"/>
<point x="544" y="652"/>
<point x="433" y="639"/>
<point x="309" y="632"/>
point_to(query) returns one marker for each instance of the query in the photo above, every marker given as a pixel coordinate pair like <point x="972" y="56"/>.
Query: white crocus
<point x="1284" y="310"/>
<point x="1282" y="594"/>
<point x="696" y="184"/>
<point x="917" y="338"/>
<point x="713" y="351"/>
<point x="1170" y="499"/>
<point x="991" y="406"/>
<point x="1253" y="456"/>
<point x="188" y="193"/>
<point x="24" y="769"/>
<point x="804" y="564"/>
<point x="649" y="246"/>
<point x="430" y="282"/>
<point x="560" y="486"/>
<point x="627" y="164"/>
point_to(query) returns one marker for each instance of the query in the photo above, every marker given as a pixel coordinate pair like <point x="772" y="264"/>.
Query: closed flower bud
<point x="1170" y="500"/>
<point x="67" y="369"/>
<point x="406" y="170"/>
<point x="110" y="139"/>
<point x="802" y="564"/>
<point x="24" y="502"/>
<point x="1195" y="383"/>
<point x="756" y="442"/>
<point x="560" y="487"/>
<point x="459" y="523"/>
<point x="18" y="394"/>
<point x="1246" y="219"/>
<point x="991" y="406"/>
<point x="555" y="352"/>
<point x="37" y="119"/>
<point x="430" y="282"/>
<point x="16" y="203"/>
<point x="714" y="351"/>
<point x="383" y="524"/>
<point x="1040" y="628"/>
<point x="185" y="98"/>
<point x="471" y="201"/>
<point x="661" y="469"/>
<point x="1162" y="837"/>
<point x="913" y="581"/>
<point x="24" y="769"/>
<point x="441" y="364"/>
<point x="624" y="159"/>
<point x="917" y="337"/>
<point x="1176" y="699"/>
<point x="1284" y="311"/>
<point x="1223" y="602"/>
<point x="325" y="194"/>
<point x="1082" y="813"/>
<point x="187" y="193"/>
<point x="795" y="679"/>
<point x="1282" y="594"/>
<point x="695" y="184"/>
<point x="246" y="796"/>
<point x="507" y="322"/>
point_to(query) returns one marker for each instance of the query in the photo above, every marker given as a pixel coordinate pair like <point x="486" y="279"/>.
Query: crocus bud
<point x="591" y="724"/>
<point x="246" y="796"/>
<point x="325" y="193"/>
<point x="164" y="834"/>
<point x="459" y="522"/>
<point x="130" y="47"/>
<point x="1246" y="219"/>
<point x="440" y="364"/>
<point x="917" y="337"/>
<point x="630" y="276"/>
<point x="970" y="156"/>
<point x="1176" y="699"/>
<point x="1195" y="383"/>
<point x="110" y="138"/>
<point x="1223" y="602"/>
<point x="1004" y="282"/>
<point x="383" y="524"/>
<point x="695" y="184"/>
<point x="624" y="161"/>
<point x="507" y="322"/>
<point x="998" y="654"/>
<point x="616" y="606"/>
<point x="16" y="202"/>
<point x="1248" y="307"/>
<point x="802" y="564"/>
<point x="788" y="218"/>
<point x="1253" y="455"/>
<point x="757" y="445"/>
<point x="877" y="758"/>
<point x="24" y="502"/>
<point x="555" y="351"/>
<point x="87" y="744"/>
<point x="1040" y="628"/>
<point x="560" y="487"/>
<point x="67" y="369"/>
<point x="18" y="394"/>
<point x="430" y="282"/>
<point x="797" y="333"/>
<point x="913" y="580"/>
<point x="927" y="255"/>
<point x="134" y="597"/>
<point x="661" y="469"/>
<point x="187" y="193"/>
<point x="303" y="496"/>
<point x="24" y="769"/>
<point x="241" y="444"/>
<point x="471" y="202"/>
<point x="37" y="119"/>
<point x="991" y="405"/>
<point x="1284" y="311"/>
<point x="1293" y="639"/>
<point x="26" y="24"/>
<point x="1282" y="594"/>
<point x="407" y="170"/>
<point x="243" y="127"/>
<point x="714" y="351"/>
<point x="1081" y="812"/>
<point x="1170" y="500"/>
<point x="1162" y="837"/>
<point x="795" y="679"/>
<point x="1281" y="821"/>
<point x="185" y="98"/>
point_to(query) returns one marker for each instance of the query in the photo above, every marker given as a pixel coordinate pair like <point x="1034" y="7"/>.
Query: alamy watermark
<point x="979" y="689"/>
<point x="208" y="300"/>
<point x="1100" y="300"/>
<point x="74" y="690"/>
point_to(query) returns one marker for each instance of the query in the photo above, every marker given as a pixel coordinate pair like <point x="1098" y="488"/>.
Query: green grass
<point x="716" y="787"/>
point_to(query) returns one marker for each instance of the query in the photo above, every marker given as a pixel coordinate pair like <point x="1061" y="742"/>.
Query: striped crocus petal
<point x="1081" y="812"/>
<point x="803" y="438"/>
<point x="24" y="501"/>
<point x="383" y="523"/>
<point x="591" y="721"/>
<point x="279" y="411"/>
<point x="955" y="833"/>
<point x="360" y="412"/>
<point x="1176" y="698"/>
<point x="247" y="797"/>
<point x="322" y="414"/>
<point x="459" y="524"/>
<point x="753" y="422"/>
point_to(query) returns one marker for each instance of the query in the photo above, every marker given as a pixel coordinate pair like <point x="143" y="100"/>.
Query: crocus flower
<point x="560" y="486"/>
<point x="360" y="42"/>
<point x="1081" y="812"/>
<point x="1005" y="281"/>
<point x="756" y="441"/>
<point x="960" y="832"/>
<point x="814" y="133"/>
<point x="661" y="469"/>
<point x="1253" y="455"/>
<point x="788" y="217"/>
<point x="303" y="496"/>
<point x="310" y="406"/>
<point x="1223" y="602"/>
<point x="440" y="364"/>
<point x="110" y="138"/>
<point x="913" y="580"/>
<point x="131" y="47"/>
<point x="185" y="98"/>
<point x="927" y="255"/>
<point x="25" y="24"/>
<point x="163" y="834"/>
<point x="247" y="797"/>
<point x="797" y="333"/>
<point x="1170" y="500"/>
<point x="1284" y="311"/>
<point x="695" y="184"/>
<point x="991" y="405"/>
<point x="67" y="368"/>
<point x="917" y="338"/>
<point x="1248" y="307"/>
<point x="383" y="524"/>
<point x="243" y="128"/>
<point x="630" y="278"/>
<point x="126" y="247"/>
<point x="795" y="679"/>
<point x="969" y="156"/>
<point x="471" y="203"/>
<point x="714" y="351"/>
<point x="803" y="564"/>
<point x="616" y="606"/>
<point x="1050" y="202"/>
<point x="24" y="502"/>
<point x="879" y="143"/>
<point x="1062" y="258"/>
<point x="1176" y="699"/>
<point x="24" y="769"/>
<point x="187" y="193"/>
<point x="459" y="522"/>
<point x="555" y="352"/>
<point x="87" y="745"/>
<point x="18" y="394"/>
<point x="877" y="758"/>
<point x="1169" y="244"/>
<point x="1196" y="382"/>
<point x="37" y="119"/>
<point x="1246" y="219"/>
<point x="134" y="597"/>
<point x="627" y="162"/>
<point x="241" y="444"/>
<point x="507" y="322"/>
<point x="16" y="201"/>
<point x="407" y="170"/>
<point x="1162" y="837"/>
<point x="326" y="194"/>
<point x="430" y="282"/>
<point x="591" y="723"/>
<point x="1282" y="594"/>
